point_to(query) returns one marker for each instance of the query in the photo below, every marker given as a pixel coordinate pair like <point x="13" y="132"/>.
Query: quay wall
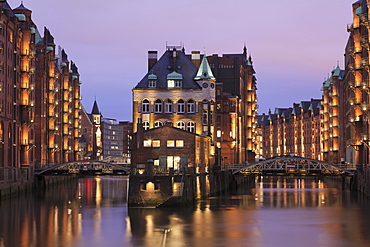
<point x="362" y="179"/>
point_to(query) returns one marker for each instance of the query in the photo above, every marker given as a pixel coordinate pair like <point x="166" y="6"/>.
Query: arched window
<point x="181" y="125"/>
<point x="180" y="106"/>
<point x="158" y="106"/>
<point x="145" y="106"/>
<point x="158" y="124"/>
<point x="146" y="125"/>
<point x="190" y="127"/>
<point x="168" y="106"/>
<point x="191" y="106"/>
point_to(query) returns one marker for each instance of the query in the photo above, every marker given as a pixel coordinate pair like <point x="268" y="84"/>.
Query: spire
<point x="245" y="51"/>
<point x="204" y="71"/>
<point x="95" y="109"/>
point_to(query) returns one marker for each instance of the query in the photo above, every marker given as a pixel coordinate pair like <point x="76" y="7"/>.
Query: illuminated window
<point x="180" y="143"/>
<point x="145" y="106"/>
<point x="180" y="106"/>
<point x="170" y="143"/>
<point x="190" y="127"/>
<point x="168" y="106"/>
<point x="218" y="133"/>
<point x="170" y="83"/>
<point x="156" y="143"/>
<point x="158" y="124"/>
<point x="147" y="143"/>
<point x="158" y="106"/>
<point x="191" y="106"/>
<point x="146" y="125"/>
<point x="181" y="125"/>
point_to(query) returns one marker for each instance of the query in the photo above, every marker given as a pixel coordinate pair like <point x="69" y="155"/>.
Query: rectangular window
<point x="170" y="143"/>
<point x="147" y="143"/>
<point x="180" y="143"/>
<point x="170" y="83"/>
<point x="156" y="143"/>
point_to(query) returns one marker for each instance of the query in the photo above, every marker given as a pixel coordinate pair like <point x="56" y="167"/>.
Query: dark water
<point x="279" y="211"/>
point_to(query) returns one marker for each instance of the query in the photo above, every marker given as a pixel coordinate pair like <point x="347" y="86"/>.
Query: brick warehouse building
<point x="345" y="105"/>
<point x="183" y="90"/>
<point x="170" y="148"/>
<point x="39" y="100"/>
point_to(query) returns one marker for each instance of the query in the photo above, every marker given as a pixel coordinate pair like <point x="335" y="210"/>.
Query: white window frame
<point x="145" y="106"/>
<point x="158" y="106"/>
<point x="190" y="126"/>
<point x="181" y="106"/>
<point x="146" y="125"/>
<point x="181" y="125"/>
<point x="191" y="106"/>
<point x="168" y="106"/>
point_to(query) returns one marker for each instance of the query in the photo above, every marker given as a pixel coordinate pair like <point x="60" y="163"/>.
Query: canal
<point x="277" y="211"/>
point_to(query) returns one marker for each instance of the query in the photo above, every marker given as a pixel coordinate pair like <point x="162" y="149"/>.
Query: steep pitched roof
<point x="95" y="109"/>
<point x="164" y="67"/>
<point x="204" y="71"/>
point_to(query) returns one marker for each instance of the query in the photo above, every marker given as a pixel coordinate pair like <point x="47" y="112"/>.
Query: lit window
<point x="180" y="143"/>
<point x="146" y="125"/>
<point x="147" y="143"/>
<point x="190" y="127"/>
<point x="156" y="143"/>
<point x="181" y="125"/>
<point x="170" y="83"/>
<point x="218" y="133"/>
<point x="170" y="143"/>
<point x="145" y="106"/>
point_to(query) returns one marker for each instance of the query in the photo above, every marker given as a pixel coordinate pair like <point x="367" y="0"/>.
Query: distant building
<point x="292" y="131"/>
<point x="112" y="139"/>
<point x="105" y="138"/>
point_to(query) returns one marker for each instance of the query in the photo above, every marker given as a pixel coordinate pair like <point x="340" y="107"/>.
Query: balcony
<point x="365" y="63"/>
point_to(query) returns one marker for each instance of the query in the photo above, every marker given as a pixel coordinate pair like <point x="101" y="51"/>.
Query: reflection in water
<point x="279" y="211"/>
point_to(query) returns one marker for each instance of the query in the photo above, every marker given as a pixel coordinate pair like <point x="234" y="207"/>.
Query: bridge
<point x="294" y="165"/>
<point x="84" y="167"/>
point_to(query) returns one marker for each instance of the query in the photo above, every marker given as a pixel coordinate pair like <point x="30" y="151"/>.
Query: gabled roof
<point x="204" y="71"/>
<point x="164" y="67"/>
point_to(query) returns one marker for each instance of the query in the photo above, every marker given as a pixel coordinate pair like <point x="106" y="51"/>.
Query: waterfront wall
<point x="362" y="179"/>
<point x="14" y="181"/>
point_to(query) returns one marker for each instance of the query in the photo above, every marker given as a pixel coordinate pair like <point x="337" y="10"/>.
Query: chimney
<point x="152" y="59"/>
<point x="174" y="59"/>
<point x="195" y="58"/>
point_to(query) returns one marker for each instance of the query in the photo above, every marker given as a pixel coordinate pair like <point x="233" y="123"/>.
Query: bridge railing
<point x="233" y="167"/>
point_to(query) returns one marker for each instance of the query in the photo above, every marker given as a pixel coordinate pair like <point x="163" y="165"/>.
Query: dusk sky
<point x="294" y="43"/>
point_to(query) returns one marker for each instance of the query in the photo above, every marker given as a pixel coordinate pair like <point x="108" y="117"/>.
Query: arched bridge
<point x="293" y="165"/>
<point x="92" y="167"/>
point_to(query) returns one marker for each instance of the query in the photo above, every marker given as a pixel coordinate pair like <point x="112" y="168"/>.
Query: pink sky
<point x="294" y="44"/>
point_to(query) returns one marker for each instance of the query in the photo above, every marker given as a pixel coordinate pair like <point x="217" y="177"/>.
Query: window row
<point x="189" y="126"/>
<point x="170" y="143"/>
<point x="168" y="106"/>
